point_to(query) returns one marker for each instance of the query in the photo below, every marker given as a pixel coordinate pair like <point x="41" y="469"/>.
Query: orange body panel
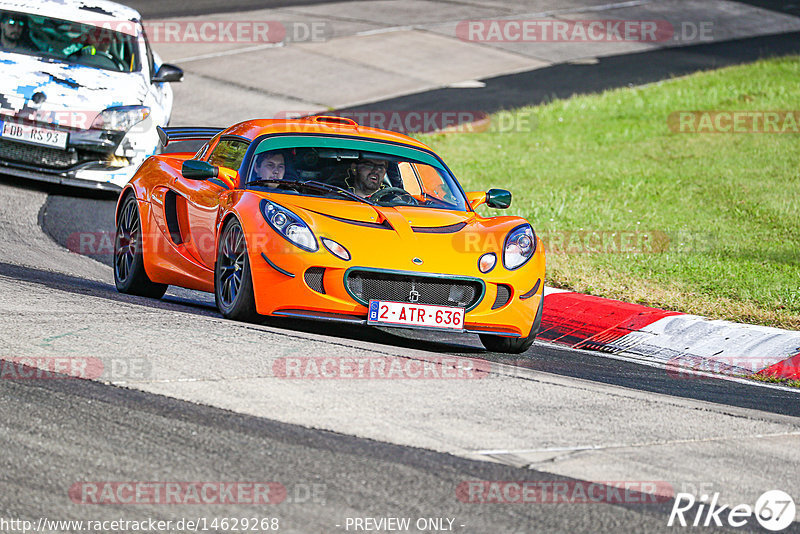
<point x="181" y="221"/>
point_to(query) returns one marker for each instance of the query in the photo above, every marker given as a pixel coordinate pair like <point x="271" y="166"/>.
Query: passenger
<point x="269" y="165"/>
<point x="367" y="176"/>
<point x="13" y="34"/>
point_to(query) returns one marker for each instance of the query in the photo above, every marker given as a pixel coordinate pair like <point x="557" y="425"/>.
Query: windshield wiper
<point x="271" y="181"/>
<point x="334" y="189"/>
<point x="311" y="184"/>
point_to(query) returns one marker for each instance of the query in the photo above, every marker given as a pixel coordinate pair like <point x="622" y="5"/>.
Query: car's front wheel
<point x="129" y="274"/>
<point x="514" y="345"/>
<point x="233" y="282"/>
<point x="507" y="345"/>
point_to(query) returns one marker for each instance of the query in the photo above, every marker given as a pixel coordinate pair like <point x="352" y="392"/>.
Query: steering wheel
<point x="394" y="192"/>
<point x="89" y="50"/>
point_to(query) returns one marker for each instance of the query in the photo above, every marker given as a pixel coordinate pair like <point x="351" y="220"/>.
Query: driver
<point x="102" y="43"/>
<point x="97" y="42"/>
<point x="366" y="176"/>
<point x="269" y="165"/>
<point x="12" y="32"/>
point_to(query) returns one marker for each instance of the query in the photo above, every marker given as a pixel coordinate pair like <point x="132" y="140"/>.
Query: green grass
<point x="730" y="203"/>
<point x="788" y="382"/>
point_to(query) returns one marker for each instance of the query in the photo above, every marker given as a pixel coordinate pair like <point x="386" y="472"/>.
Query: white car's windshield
<point x="71" y="42"/>
<point x="382" y="174"/>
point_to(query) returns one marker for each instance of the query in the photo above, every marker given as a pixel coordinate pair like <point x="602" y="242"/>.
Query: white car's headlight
<point x="289" y="226"/>
<point x="519" y="247"/>
<point x="121" y="119"/>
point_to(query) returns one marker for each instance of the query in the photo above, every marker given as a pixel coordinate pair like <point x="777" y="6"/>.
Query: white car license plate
<point x="33" y="134"/>
<point x="416" y="315"/>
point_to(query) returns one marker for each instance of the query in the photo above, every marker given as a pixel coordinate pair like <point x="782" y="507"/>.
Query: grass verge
<point x="703" y="223"/>
<point x="788" y="382"/>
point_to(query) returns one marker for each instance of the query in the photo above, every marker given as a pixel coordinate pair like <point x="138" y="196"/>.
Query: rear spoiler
<point x="169" y="134"/>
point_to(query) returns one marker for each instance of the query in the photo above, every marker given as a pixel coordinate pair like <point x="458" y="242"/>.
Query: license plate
<point x="33" y="134"/>
<point x="415" y="315"/>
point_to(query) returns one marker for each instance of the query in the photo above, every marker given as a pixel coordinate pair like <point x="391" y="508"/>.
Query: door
<point x="197" y="203"/>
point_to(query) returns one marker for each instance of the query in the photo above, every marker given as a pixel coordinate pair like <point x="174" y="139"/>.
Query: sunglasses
<point x="14" y="22"/>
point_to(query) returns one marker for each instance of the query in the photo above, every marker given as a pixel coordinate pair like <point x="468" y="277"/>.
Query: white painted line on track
<point x="231" y="52"/>
<point x="578" y="448"/>
<point x="390" y="29"/>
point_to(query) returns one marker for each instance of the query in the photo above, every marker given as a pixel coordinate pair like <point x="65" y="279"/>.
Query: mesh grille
<point x="503" y="294"/>
<point x="38" y="155"/>
<point x="313" y="278"/>
<point x="368" y="285"/>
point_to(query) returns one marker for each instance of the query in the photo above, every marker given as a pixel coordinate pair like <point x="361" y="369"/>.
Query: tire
<point x="233" y="281"/>
<point x="514" y="345"/>
<point x="129" y="274"/>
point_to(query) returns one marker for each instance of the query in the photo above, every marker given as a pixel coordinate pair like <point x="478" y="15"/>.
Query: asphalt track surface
<point x="151" y="9"/>
<point x="63" y="216"/>
<point x="157" y="8"/>
<point x="781" y="6"/>
<point x="61" y="431"/>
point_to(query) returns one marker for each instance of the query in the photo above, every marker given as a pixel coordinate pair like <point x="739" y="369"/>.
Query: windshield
<point x="378" y="173"/>
<point x="71" y="42"/>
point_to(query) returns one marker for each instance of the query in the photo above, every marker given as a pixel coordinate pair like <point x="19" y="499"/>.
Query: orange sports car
<point x="320" y="218"/>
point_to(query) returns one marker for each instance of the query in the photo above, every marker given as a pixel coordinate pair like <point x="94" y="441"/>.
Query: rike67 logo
<point x="774" y="510"/>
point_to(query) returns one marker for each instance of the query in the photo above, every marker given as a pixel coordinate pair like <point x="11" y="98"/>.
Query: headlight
<point x="487" y="262"/>
<point x="289" y="225"/>
<point x="335" y="248"/>
<point x="519" y="247"/>
<point x="121" y="119"/>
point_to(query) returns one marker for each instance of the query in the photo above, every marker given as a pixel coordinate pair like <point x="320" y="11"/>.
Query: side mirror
<point x="229" y="177"/>
<point x="193" y="169"/>
<point x="168" y="73"/>
<point x="494" y="198"/>
<point x="498" y="198"/>
<point x="476" y="198"/>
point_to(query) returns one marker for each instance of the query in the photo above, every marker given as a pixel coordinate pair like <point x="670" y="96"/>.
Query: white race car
<point x="81" y="92"/>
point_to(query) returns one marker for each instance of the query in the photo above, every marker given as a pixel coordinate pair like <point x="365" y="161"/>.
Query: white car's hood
<point x="73" y="94"/>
